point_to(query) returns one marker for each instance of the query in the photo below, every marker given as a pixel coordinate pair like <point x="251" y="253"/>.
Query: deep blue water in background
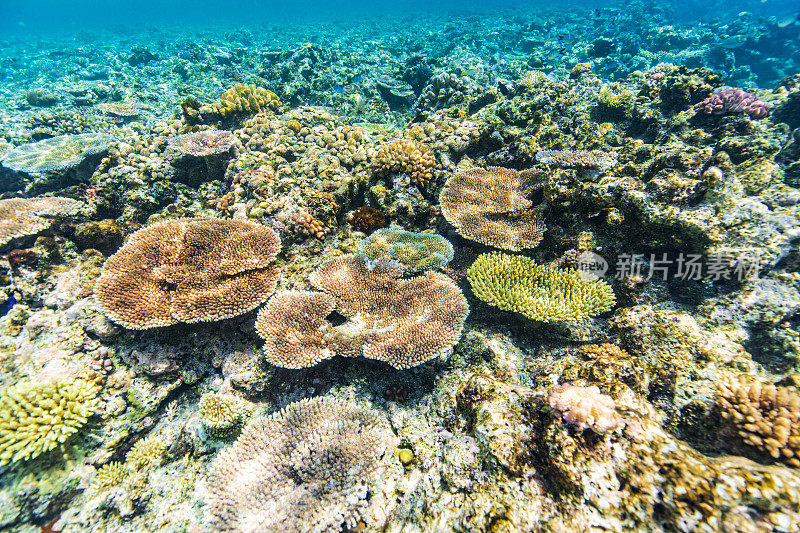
<point x="21" y="18"/>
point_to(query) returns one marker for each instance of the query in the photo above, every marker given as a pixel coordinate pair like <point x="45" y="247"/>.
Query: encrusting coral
<point x="415" y="251"/>
<point x="765" y="416"/>
<point x="403" y="322"/>
<point x="188" y="270"/>
<point x="516" y="283"/>
<point x="492" y="206"/>
<point x="305" y="468"/>
<point x="20" y="217"/>
<point x="37" y="417"/>
<point x="405" y="155"/>
<point x="585" y="407"/>
<point x="56" y="153"/>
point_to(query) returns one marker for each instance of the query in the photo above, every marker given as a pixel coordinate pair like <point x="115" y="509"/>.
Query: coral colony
<point x="509" y="272"/>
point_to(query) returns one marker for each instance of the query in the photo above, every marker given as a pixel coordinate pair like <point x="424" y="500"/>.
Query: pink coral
<point x="733" y="101"/>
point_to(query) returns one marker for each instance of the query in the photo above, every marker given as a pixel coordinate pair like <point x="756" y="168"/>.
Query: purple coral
<point x="733" y="101"/>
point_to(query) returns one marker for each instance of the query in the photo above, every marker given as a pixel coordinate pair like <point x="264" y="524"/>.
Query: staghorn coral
<point x="37" y="417"/>
<point x="415" y="251"/>
<point x="577" y="159"/>
<point x="516" y="283"/>
<point x="729" y="101"/>
<point x="20" y="217"/>
<point x="765" y="416"/>
<point x="305" y="468"/>
<point x="57" y="153"/>
<point x="220" y="413"/>
<point x="586" y="407"/>
<point x="204" y="143"/>
<point x="403" y="322"/>
<point x="405" y="156"/>
<point x="491" y="206"/>
<point x="188" y="270"/>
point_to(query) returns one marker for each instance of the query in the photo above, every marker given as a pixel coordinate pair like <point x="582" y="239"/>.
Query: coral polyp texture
<point x="305" y="468"/>
<point x="577" y="159"/>
<point x="248" y="100"/>
<point x="20" y="217"/>
<point x="405" y="156"/>
<point x="492" y="206"/>
<point x="220" y="413"/>
<point x="188" y="270"/>
<point x="37" y="417"/>
<point x="204" y="143"/>
<point x="415" y="251"/>
<point x="729" y="101"/>
<point x="517" y="283"/>
<point x="766" y="417"/>
<point x="585" y="407"/>
<point x="56" y="153"/>
<point x="403" y="322"/>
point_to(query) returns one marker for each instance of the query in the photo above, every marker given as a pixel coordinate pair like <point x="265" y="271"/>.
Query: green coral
<point x="415" y="251"/>
<point x="37" y="417"/>
<point x="247" y="100"/>
<point x="516" y="283"/>
<point x="220" y="413"/>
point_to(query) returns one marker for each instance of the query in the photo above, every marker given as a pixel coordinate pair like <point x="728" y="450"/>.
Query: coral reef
<point x="57" y="153"/>
<point x="188" y="270"/>
<point x="403" y="322"/>
<point x="492" y="206"/>
<point x="516" y="283"/>
<point x="305" y="468"/>
<point x="204" y="143"/>
<point x="37" y="417"/>
<point x="415" y="251"/>
<point x="577" y="159"/>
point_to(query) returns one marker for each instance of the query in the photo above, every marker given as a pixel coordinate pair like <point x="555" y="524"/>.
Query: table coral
<point x="516" y="283"/>
<point x="415" y="251"/>
<point x="204" y="143"/>
<point x="57" y="153"/>
<point x="305" y="468"/>
<point x="188" y="270"/>
<point x="20" y="217"/>
<point x="492" y="206"/>
<point x="37" y="417"/>
<point x="403" y="322"/>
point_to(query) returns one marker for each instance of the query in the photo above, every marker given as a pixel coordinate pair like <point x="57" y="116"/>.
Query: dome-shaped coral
<point x="188" y="270"/>
<point x="492" y="207"/>
<point x="403" y="322"/>
<point x="306" y="468"/>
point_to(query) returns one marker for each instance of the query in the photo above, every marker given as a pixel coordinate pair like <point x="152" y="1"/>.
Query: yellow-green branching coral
<point x="37" y="417"/>
<point x="146" y="452"/>
<point x="516" y="283"/>
<point x="220" y="413"/>
<point x="109" y="475"/>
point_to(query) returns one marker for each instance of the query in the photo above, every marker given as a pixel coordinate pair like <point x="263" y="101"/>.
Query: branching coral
<point x="765" y="416"/>
<point x="733" y="101"/>
<point x="415" y="251"/>
<point x="220" y="413"/>
<point x="586" y="407"/>
<point x="516" y="283"/>
<point x="37" y="417"/>
<point x="145" y="452"/>
<point x="403" y="322"/>
<point x="57" y="153"/>
<point x="306" y="468"/>
<point x="20" y="217"/>
<point x="405" y="155"/>
<point x="492" y="206"/>
<point x="188" y="270"/>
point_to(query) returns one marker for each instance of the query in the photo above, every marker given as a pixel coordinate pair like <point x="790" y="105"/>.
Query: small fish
<point x="6" y="306"/>
<point x="339" y="88"/>
<point x="597" y="13"/>
<point x="357" y="78"/>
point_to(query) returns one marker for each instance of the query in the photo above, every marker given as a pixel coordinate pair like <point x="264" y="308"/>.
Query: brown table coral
<point x="403" y="322"/>
<point x="20" y="217"/>
<point x="492" y="206"/>
<point x="188" y="270"/>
